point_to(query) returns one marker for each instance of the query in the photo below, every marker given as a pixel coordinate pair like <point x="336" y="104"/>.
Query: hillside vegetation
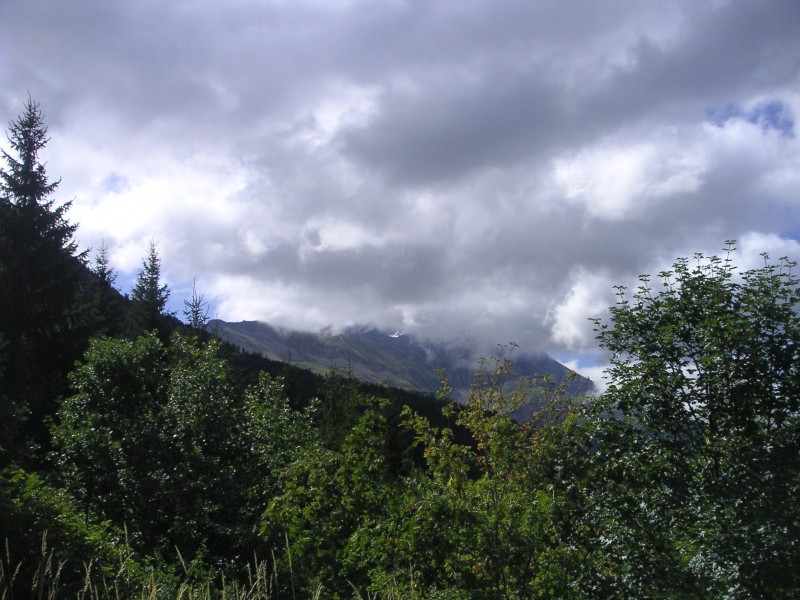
<point x="142" y="458"/>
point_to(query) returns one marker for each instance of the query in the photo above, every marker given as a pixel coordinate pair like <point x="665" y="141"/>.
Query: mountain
<point x="393" y="359"/>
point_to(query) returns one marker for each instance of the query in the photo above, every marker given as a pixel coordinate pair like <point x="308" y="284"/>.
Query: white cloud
<point x="753" y="245"/>
<point x="620" y="181"/>
<point x="588" y="297"/>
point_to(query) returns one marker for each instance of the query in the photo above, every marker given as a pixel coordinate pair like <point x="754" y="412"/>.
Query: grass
<point x="128" y="581"/>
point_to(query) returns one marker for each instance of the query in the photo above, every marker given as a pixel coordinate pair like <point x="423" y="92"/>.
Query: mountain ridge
<point x="396" y="359"/>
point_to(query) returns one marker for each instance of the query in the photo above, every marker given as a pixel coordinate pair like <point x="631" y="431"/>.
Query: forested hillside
<point x="141" y="458"/>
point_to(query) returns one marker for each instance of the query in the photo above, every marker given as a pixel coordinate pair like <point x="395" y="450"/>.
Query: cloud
<point x="587" y="298"/>
<point x="448" y="168"/>
<point x="621" y="182"/>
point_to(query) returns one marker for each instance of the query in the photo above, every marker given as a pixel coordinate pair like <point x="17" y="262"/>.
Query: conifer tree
<point x="40" y="277"/>
<point x="102" y="267"/>
<point x="149" y="295"/>
<point x="196" y="309"/>
<point x="106" y="300"/>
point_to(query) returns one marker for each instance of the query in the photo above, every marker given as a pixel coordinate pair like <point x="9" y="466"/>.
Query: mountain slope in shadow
<point x="393" y="359"/>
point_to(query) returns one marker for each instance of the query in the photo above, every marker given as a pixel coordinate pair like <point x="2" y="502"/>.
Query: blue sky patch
<point x="770" y="115"/>
<point x="115" y="183"/>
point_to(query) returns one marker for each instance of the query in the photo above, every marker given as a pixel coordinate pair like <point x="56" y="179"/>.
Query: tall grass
<point x="45" y="577"/>
<point x="45" y="580"/>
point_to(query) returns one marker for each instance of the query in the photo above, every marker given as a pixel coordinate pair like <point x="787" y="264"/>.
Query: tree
<point x="196" y="310"/>
<point x="25" y="181"/>
<point x="8" y="410"/>
<point x="698" y="436"/>
<point x="489" y="518"/>
<point x="106" y="435"/>
<point x="149" y="295"/>
<point x="106" y="301"/>
<point x="102" y="267"/>
<point x="41" y="273"/>
<point x="326" y="495"/>
<point x="157" y="438"/>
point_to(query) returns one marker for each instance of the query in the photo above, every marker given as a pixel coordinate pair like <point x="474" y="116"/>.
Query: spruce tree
<point x="106" y="302"/>
<point x="149" y="295"/>
<point x="41" y="273"/>
<point x="196" y="309"/>
<point x="102" y="267"/>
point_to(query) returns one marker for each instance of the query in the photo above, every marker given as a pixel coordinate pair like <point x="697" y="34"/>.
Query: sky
<point x="450" y="168"/>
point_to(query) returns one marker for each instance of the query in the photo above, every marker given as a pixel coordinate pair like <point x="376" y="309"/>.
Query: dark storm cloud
<point x="510" y="108"/>
<point x="718" y="55"/>
<point x="452" y="127"/>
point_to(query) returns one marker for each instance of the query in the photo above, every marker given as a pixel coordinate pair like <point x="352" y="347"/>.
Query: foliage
<point x="698" y="463"/>
<point x="155" y="438"/>
<point x="487" y="519"/>
<point x="276" y="435"/>
<point x="339" y="408"/>
<point x="106" y="436"/>
<point x="480" y="520"/>
<point x="324" y="495"/>
<point x="47" y="542"/>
